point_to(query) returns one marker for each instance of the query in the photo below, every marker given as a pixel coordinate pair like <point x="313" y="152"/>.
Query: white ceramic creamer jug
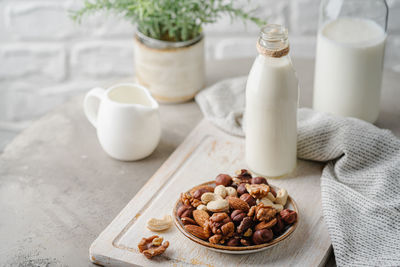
<point x="126" y="118"/>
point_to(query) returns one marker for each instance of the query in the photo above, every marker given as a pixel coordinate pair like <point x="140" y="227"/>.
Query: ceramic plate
<point x="291" y="204"/>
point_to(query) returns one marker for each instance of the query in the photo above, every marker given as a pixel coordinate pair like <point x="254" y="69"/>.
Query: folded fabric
<point x="360" y="184"/>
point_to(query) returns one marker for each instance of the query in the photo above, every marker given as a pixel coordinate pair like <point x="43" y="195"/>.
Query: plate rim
<point x="223" y="248"/>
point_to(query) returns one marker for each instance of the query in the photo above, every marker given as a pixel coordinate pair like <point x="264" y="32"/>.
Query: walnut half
<point x="152" y="246"/>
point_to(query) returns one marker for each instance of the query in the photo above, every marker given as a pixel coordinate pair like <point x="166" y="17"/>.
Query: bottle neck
<point x="273" y="41"/>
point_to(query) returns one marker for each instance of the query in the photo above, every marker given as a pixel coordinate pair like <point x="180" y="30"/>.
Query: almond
<point x="187" y="220"/>
<point x="238" y="204"/>
<point x="197" y="231"/>
<point x="200" y="216"/>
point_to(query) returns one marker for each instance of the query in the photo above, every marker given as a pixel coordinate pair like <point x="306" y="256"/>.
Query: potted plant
<point x="169" y="43"/>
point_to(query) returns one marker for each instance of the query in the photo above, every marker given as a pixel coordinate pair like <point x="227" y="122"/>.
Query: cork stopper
<point x="273" y="41"/>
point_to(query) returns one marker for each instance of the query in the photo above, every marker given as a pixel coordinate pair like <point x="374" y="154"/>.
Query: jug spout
<point x="132" y="94"/>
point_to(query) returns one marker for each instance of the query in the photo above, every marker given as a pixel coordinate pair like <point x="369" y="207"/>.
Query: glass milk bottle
<point x="271" y="106"/>
<point x="349" y="60"/>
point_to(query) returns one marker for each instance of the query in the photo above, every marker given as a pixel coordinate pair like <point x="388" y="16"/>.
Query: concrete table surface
<point x="59" y="190"/>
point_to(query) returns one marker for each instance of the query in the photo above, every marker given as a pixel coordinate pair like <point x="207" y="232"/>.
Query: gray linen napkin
<point x="360" y="183"/>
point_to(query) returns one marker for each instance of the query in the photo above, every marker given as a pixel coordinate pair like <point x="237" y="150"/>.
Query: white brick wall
<point x="42" y="63"/>
<point x="45" y="58"/>
<point x="39" y="20"/>
<point x="99" y="59"/>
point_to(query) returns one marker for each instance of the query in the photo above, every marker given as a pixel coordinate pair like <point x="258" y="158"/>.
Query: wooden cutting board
<point x="206" y="152"/>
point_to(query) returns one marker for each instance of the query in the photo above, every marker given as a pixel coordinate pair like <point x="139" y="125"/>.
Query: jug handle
<point x="91" y="104"/>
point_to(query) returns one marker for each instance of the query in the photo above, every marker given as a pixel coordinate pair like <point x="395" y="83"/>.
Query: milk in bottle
<point x="348" y="70"/>
<point x="271" y="106"/>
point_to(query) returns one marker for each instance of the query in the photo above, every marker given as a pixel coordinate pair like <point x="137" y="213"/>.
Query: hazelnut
<point x="199" y="192"/>
<point x="249" y="199"/>
<point x="288" y="216"/>
<point x="223" y="179"/>
<point x="245" y="224"/>
<point x="243" y="173"/>
<point x="244" y="176"/>
<point x="185" y="211"/>
<point x="279" y="226"/>
<point x="241" y="189"/>
<point x="233" y="242"/>
<point x="237" y="216"/>
<point x="262" y="236"/>
<point x="259" y="180"/>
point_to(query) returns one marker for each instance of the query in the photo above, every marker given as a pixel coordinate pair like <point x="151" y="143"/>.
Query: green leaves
<point x="171" y="20"/>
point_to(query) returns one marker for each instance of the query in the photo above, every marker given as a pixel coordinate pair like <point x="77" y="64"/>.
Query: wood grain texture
<point x="205" y="153"/>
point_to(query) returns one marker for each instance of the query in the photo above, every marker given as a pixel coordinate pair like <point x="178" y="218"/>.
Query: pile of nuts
<point x="239" y="211"/>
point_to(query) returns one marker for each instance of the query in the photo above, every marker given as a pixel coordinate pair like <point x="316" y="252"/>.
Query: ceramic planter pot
<point x="172" y="71"/>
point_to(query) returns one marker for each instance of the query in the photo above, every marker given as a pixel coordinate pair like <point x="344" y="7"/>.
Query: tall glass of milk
<point x="349" y="59"/>
<point x="271" y="106"/>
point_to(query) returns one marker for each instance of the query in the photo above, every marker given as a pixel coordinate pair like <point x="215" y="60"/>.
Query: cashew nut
<point x="218" y="205"/>
<point x="278" y="207"/>
<point x="281" y="196"/>
<point x="230" y="191"/>
<point x="271" y="197"/>
<point x="220" y="190"/>
<point x="202" y="207"/>
<point x="266" y="201"/>
<point x="158" y="225"/>
<point x="207" y="197"/>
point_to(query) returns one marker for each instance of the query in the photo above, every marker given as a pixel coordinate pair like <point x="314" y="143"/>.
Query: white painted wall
<point x="45" y="58"/>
